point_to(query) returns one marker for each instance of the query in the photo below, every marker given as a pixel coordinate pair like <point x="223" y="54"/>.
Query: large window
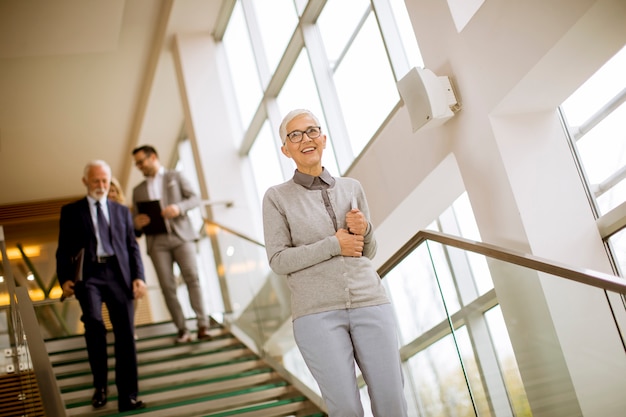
<point x="276" y="22"/>
<point x="299" y="92"/>
<point x="363" y="77"/>
<point x="595" y="117"/>
<point x="264" y="158"/>
<point x="341" y="61"/>
<point x="242" y="66"/>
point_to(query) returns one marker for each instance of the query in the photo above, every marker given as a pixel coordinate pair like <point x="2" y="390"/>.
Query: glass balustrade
<point x="457" y="356"/>
<point x="20" y="379"/>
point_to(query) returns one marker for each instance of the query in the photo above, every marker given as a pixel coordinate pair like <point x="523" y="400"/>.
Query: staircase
<point x="218" y="377"/>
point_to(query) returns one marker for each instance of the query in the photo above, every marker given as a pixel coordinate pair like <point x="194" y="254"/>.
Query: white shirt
<point x="94" y="218"/>
<point x="155" y="185"/>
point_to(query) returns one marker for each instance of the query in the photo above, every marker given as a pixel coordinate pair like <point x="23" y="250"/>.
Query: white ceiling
<point x="82" y="80"/>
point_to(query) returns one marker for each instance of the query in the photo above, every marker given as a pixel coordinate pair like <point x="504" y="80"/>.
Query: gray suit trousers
<point x="165" y="249"/>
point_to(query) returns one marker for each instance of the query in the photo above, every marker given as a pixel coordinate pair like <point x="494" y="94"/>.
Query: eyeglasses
<point x="313" y="132"/>
<point x="140" y="162"/>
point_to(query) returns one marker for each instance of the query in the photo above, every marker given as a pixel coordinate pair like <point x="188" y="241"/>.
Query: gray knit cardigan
<point x="301" y="244"/>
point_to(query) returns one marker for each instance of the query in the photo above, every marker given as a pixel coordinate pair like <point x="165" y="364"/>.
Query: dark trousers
<point x="105" y="284"/>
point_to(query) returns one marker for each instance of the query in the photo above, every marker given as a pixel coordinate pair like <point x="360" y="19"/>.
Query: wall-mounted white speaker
<point x="427" y="97"/>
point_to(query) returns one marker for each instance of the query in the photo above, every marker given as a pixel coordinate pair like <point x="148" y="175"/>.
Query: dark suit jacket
<point x="176" y="190"/>
<point x="76" y="231"/>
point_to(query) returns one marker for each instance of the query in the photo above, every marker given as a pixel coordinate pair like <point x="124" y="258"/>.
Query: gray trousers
<point x="166" y="249"/>
<point x="332" y="342"/>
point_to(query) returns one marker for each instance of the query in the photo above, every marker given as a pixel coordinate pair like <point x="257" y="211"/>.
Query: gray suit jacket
<point x="176" y="190"/>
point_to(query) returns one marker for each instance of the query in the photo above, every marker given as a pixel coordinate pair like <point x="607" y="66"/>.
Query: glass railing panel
<point x="260" y="301"/>
<point x="477" y="392"/>
<point x="23" y="365"/>
<point x="21" y="380"/>
<point x="424" y="288"/>
<point x="480" y="275"/>
<point x="258" y="298"/>
<point x="294" y="363"/>
<point x="526" y="372"/>
<point x="414" y="290"/>
<point x="445" y="337"/>
<point x="462" y="345"/>
<point x="62" y="319"/>
<point x="506" y="361"/>
<point x="439" y="382"/>
<point x="59" y="319"/>
<point x="6" y="361"/>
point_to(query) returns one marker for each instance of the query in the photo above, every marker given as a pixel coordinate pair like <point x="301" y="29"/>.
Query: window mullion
<point x="258" y="49"/>
<point x="600" y="115"/>
<point x="391" y="38"/>
<point x="328" y="96"/>
<point x="350" y="41"/>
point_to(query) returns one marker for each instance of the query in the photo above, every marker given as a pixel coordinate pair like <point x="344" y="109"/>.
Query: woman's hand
<point x="356" y="222"/>
<point x="351" y="245"/>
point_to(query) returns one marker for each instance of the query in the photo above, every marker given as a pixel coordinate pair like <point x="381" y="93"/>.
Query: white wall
<point x="513" y="64"/>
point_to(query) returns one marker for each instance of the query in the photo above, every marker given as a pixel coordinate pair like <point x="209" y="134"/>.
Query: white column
<point x="225" y="176"/>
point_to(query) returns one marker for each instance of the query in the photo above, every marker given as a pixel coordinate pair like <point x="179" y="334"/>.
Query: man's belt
<point x="105" y="259"/>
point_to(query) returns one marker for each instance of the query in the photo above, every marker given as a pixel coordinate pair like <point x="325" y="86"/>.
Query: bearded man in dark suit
<point x="112" y="272"/>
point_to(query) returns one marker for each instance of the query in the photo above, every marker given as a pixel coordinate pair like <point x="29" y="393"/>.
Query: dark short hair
<point x="146" y="149"/>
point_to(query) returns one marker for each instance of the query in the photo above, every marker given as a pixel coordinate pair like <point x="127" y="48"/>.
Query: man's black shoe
<point x="131" y="405"/>
<point x="99" y="398"/>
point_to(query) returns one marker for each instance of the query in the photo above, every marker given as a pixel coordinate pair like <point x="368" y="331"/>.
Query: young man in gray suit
<point x="177" y="242"/>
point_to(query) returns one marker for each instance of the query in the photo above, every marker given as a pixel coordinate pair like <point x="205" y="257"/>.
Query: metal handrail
<point x="207" y="222"/>
<point x="584" y="276"/>
<point x="25" y="323"/>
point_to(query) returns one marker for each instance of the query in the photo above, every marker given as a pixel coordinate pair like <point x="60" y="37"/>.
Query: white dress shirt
<point x="94" y="219"/>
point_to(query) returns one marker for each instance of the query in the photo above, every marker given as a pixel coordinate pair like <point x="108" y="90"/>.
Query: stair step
<point x="193" y="392"/>
<point x="164" y="368"/>
<point x="297" y="406"/>
<point x="199" y="406"/>
<point x="153" y="354"/>
<point x="75" y="350"/>
<point x="212" y="378"/>
<point x="145" y="332"/>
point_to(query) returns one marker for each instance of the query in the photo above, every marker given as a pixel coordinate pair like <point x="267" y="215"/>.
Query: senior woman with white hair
<point x="318" y="234"/>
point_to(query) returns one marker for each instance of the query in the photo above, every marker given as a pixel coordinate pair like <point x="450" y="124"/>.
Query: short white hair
<point x="282" y="130"/>
<point x="96" y="163"/>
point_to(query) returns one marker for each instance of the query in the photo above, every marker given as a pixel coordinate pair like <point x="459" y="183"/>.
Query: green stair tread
<point x="196" y="400"/>
<point x="211" y="380"/>
<point x="257" y="407"/>
<point x="140" y="351"/>
<point x="252" y="388"/>
<point x="141" y="326"/>
<point x="161" y="374"/>
<point x="163" y="360"/>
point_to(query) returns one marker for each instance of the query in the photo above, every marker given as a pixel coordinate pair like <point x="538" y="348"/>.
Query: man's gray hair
<point x="282" y="130"/>
<point x="96" y="163"/>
